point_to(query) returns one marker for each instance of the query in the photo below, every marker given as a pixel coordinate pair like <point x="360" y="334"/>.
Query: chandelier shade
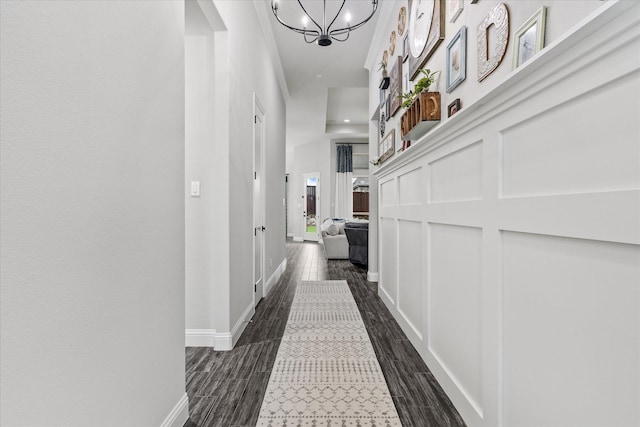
<point x="322" y="30"/>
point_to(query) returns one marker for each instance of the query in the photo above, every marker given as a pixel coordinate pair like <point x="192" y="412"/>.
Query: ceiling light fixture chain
<point x="324" y="35"/>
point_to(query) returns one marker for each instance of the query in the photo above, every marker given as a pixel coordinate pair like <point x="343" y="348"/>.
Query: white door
<point x="258" y="202"/>
<point x="311" y="206"/>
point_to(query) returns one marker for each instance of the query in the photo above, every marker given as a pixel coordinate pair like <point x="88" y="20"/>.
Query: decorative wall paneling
<point x="510" y="238"/>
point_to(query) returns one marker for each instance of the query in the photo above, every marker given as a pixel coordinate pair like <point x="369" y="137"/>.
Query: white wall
<point x="309" y="158"/>
<point x="206" y="257"/>
<point x="510" y="237"/>
<point x="251" y="70"/>
<point x="243" y="69"/>
<point x="92" y="213"/>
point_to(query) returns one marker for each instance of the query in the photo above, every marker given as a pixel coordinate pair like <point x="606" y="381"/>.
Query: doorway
<point x="258" y="201"/>
<point x="311" y="206"/>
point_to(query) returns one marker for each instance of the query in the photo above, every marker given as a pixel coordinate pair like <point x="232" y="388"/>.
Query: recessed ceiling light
<point x="318" y="76"/>
<point x="347" y="120"/>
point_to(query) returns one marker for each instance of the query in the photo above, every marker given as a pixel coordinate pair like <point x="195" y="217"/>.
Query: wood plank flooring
<point x="226" y="388"/>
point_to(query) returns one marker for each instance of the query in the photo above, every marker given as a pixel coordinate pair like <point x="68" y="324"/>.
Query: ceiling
<point x="326" y="85"/>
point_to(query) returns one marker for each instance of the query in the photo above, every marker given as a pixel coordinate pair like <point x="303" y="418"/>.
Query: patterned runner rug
<point x="326" y="373"/>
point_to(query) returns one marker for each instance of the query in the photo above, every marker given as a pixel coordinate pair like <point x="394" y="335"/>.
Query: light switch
<point x="195" y="188"/>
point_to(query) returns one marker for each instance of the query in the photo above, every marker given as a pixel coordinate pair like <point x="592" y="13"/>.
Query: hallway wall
<point x="219" y="302"/>
<point x="92" y="213"/>
<point x="206" y="161"/>
<point x="252" y="71"/>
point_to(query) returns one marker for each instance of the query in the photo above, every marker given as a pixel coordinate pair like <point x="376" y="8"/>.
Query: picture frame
<point x="405" y="47"/>
<point x="386" y="147"/>
<point x="405" y="79"/>
<point x="457" y="59"/>
<point x="453" y="108"/>
<point x="387" y="108"/>
<point x="454" y="9"/>
<point x="395" y="87"/>
<point x="529" y="38"/>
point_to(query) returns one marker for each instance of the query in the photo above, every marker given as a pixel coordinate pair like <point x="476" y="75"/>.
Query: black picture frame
<point x="405" y="47"/>
<point x="454" y="107"/>
<point x="387" y="107"/>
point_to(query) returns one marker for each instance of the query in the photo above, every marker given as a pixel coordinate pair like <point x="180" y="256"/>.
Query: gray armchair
<point x="334" y="239"/>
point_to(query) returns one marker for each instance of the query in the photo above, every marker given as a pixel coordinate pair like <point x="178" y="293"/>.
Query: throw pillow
<point x="333" y="230"/>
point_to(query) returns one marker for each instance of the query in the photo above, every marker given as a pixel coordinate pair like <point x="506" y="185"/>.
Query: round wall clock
<point x="392" y="43"/>
<point x="402" y="20"/>
<point x="419" y="25"/>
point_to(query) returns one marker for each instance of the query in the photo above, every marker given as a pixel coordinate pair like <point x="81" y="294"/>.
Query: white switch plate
<point x="195" y="188"/>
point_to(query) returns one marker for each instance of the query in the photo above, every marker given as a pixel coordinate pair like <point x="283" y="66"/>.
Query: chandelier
<point x="324" y="34"/>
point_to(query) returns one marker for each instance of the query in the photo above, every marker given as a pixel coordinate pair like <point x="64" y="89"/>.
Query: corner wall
<point x="92" y="213"/>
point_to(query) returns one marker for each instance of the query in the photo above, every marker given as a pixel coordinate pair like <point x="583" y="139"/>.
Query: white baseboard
<point x="298" y="239"/>
<point x="275" y="276"/>
<point x="220" y="341"/>
<point x="238" y="328"/>
<point x="373" y="277"/>
<point x="179" y="414"/>
<point x="200" y="337"/>
<point x="289" y="234"/>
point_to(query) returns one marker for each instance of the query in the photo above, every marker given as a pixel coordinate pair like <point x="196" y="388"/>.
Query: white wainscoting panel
<point x="388" y="253"/>
<point x="457" y="176"/>
<point x="455" y="310"/>
<point x="588" y="156"/>
<point x="411" y="188"/>
<point x="410" y="281"/>
<point x="509" y="238"/>
<point x="571" y="310"/>
<point x="388" y="193"/>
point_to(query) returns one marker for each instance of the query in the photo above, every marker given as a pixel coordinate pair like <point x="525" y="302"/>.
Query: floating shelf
<point x="422" y="115"/>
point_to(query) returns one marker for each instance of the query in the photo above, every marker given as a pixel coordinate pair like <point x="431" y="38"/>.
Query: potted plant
<point x="384" y="83"/>
<point x="422" y="107"/>
<point x="382" y="66"/>
<point x="421" y="85"/>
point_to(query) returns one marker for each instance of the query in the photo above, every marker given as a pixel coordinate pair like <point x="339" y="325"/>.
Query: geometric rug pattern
<point x="326" y="373"/>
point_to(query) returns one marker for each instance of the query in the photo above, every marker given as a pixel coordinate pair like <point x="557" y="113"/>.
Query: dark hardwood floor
<point x="226" y="388"/>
